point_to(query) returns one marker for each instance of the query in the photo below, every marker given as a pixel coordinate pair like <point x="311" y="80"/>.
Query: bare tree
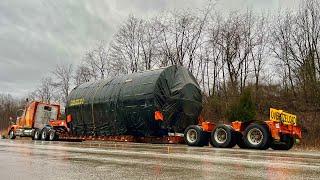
<point x="259" y="51"/>
<point x="45" y="92"/>
<point x="83" y="74"/>
<point x="63" y="79"/>
<point x="161" y="26"/>
<point x="97" y="61"/>
<point x="125" y="49"/>
<point x="281" y="39"/>
<point x="8" y="108"/>
<point x="212" y="53"/>
<point x="230" y="42"/>
<point x="148" y="44"/>
<point x="179" y="37"/>
<point x="295" y="44"/>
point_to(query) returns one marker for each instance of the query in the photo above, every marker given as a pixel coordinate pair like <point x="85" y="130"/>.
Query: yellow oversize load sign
<point x="284" y="117"/>
<point x="76" y="102"/>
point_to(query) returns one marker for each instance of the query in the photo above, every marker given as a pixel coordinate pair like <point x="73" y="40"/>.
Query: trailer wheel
<point x="12" y="134"/>
<point x="195" y="136"/>
<point x="257" y="136"/>
<point x="223" y="136"/>
<point x="52" y="135"/>
<point x="240" y="141"/>
<point x="286" y="144"/>
<point x="44" y="134"/>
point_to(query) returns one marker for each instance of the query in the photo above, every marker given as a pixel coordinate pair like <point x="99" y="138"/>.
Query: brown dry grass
<point x="3" y="134"/>
<point x="309" y="142"/>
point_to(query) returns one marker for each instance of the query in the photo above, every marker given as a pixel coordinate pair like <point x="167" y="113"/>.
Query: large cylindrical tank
<point x="126" y="105"/>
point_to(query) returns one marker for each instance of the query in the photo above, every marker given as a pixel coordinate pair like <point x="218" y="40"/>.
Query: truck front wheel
<point x="12" y="134"/>
<point x="257" y="136"/>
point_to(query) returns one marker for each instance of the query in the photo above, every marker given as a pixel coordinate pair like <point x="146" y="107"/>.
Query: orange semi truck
<point x="41" y="122"/>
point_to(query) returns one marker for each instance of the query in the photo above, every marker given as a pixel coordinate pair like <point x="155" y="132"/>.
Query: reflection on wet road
<point x="26" y="159"/>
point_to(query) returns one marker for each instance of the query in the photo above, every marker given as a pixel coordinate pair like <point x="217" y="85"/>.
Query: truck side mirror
<point x="11" y="122"/>
<point x="19" y="112"/>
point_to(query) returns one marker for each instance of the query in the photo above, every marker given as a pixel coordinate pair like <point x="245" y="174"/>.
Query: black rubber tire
<point x="44" y="134"/>
<point x="286" y="143"/>
<point x="36" y="135"/>
<point x="53" y="135"/>
<point x="230" y="134"/>
<point x="240" y="141"/>
<point x="266" y="139"/>
<point x="204" y="139"/>
<point x="12" y="134"/>
<point x="211" y="142"/>
<point x="201" y="138"/>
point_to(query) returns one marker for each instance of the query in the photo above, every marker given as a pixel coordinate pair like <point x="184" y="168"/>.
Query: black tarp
<point x="126" y="104"/>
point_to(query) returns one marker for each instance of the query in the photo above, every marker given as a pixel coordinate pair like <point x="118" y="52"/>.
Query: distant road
<point x="32" y="160"/>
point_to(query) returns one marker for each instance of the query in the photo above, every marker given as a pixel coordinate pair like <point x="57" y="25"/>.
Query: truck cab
<point x="39" y="120"/>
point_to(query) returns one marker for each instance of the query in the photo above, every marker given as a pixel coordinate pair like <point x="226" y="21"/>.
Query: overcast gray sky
<point x="35" y="35"/>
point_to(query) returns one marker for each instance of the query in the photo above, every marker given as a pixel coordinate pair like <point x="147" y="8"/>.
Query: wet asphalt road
<point x="26" y="159"/>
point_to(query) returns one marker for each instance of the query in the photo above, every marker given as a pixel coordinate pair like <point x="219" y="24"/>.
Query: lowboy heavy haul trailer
<point x="41" y="122"/>
<point x="158" y="106"/>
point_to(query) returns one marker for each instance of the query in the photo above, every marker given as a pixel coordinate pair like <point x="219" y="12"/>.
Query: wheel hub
<point x="192" y="135"/>
<point x="220" y="135"/>
<point x="255" y="136"/>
